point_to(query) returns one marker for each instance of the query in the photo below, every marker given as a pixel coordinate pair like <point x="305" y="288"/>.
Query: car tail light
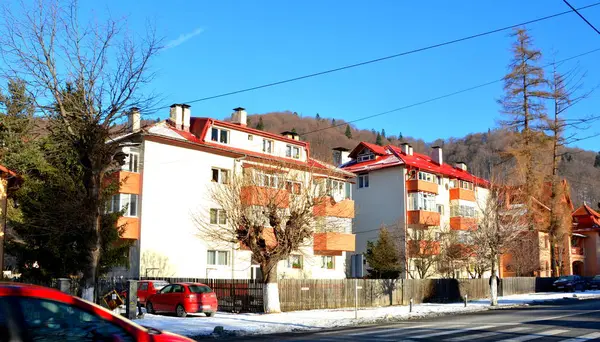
<point x="191" y="297"/>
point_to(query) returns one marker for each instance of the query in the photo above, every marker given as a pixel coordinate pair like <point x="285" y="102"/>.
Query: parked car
<point x="184" y="298"/>
<point x="594" y="283"/>
<point x="35" y="313"/>
<point x="146" y="288"/>
<point x="569" y="283"/>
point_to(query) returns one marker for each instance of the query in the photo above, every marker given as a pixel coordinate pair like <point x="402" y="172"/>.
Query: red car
<point x="35" y="313"/>
<point x="184" y="298"/>
<point x="147" y="288"/>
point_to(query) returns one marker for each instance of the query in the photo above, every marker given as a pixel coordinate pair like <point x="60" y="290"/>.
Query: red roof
<point x="586" y="217"/>
<point x="379" y="150"/>
<point x="394" y="156"/>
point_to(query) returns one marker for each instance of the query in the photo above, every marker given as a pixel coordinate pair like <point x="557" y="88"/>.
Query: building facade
<point x="421" y="200"/>
<point x="172" y="167"/>
<point x="585" y="244"/>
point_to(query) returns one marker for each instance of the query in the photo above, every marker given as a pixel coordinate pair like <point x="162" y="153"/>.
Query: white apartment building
<point x="413" y="196"/>
<point x="169" y="171"/>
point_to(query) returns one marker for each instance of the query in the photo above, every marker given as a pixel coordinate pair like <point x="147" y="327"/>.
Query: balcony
<point x="262" y="196"/>
<point x="333" y="243"/>
<point x="462" y="194"/>
<point x="419" y="185"/>
<point x="577" y="250"/>
<point x="423" y="248"/>
<point x="328" y="207"/>
<point x="463" y="223"/>
<point x="422" y="217"/>
<point x="131" y="227"/>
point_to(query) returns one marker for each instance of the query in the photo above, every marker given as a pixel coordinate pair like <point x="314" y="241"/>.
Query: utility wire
<point x="440" y="97"/>
<point x="581" y="16"/>
<point x="405" y="53"/>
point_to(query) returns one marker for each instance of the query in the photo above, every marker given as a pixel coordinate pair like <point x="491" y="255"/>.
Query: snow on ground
<point x="197" y="325"/>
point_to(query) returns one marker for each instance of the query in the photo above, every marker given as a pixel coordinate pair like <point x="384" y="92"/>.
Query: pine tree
<point x="383" y="257"/>
<point x="383" y="132"/>
<point x="348" y="132"/>
<point x="400" y="137"/>
<point x="260" y="125"/>
<point x="332" y="122"/>
<point x="318" y="117"/>
<point x="379" y="140"/>
<point x="597" y="161"/>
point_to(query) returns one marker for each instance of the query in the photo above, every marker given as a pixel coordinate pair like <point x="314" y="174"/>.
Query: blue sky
<point x="221" y="46"/>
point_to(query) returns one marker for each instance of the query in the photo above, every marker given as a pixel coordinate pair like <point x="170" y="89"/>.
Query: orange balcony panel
<point x="334" y="242"/>
<point x="258" y="195"/>
<point x="327" y="207"/>
<point x="422" y="217"/>
<point x="423" y="248"/>
<point x="463" y="223"/>
<point x="419" y="185"/>
<point x="131" y="226"/>
<point x="462" y="194"/>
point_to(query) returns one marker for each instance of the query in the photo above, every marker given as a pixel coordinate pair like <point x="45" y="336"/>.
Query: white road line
<point x="584" y="337"/>
<point x="536" y="335"/>
<point x="455" y="331"/>
<point x="474" y="337"/>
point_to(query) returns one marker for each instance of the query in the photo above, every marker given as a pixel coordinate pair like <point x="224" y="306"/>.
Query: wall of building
<point x="592" y="253"/>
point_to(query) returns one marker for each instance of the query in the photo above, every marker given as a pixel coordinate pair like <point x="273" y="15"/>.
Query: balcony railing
<point x="577" y="250"/>
<point x="262" y="196"/>
<point x="418" y="248"/>
<point x="131" y="227"/>
<point x="422" y="217"/>
<point x="462" y="194"/>
<point x="419" y="185"/>
<point x="463" y="223"/>
<point x="327" y="207"/>
<point x="331" y="243"/>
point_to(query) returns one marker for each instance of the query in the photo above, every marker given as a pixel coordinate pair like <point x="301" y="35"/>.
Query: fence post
<point x="466" y="299"/>
<point x="64" y="285"/>
<point x="410" y="305"/>
<point x="355" y="298"/>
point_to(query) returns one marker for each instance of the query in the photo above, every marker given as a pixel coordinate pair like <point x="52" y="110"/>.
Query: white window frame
<point x="135" y="157"/>
<point x="336" y="187"/>
<point x="325" y="259"/>
<point x="293" y="187"/>
<point x="220" y="172"/>
<point x="363" y="180"/>
<point x="216" y="260"/>
<point x="250" y="137"/>
<point x="268" y="180"/>
<point x="119" y="201"/>
<point x="268" y="143"/>
<point x="427" y="177"/>
<point x="463" y="211"/>
<point x="422" y="201"/>
<point x="290" y="262"/>
<point x="220" y="216"/>
<point x="220" y="132"/>
<point x="466" y="185"/>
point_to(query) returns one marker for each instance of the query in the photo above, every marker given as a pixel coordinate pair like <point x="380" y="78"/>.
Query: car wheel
<point x="150" y="308"/>
<point x="210" y="314"/>
<point x="180" y="311"/>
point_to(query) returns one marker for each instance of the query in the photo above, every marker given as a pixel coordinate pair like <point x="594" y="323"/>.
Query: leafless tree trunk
<point x="57" y="55"/>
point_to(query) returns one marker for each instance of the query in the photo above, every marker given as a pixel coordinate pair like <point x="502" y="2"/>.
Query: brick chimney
<point x="239" y="116"/>
<point x="134" y="119"/>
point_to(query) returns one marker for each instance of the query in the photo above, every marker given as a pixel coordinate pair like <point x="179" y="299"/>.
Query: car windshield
<point x="199" y="289"/>
<point x="159" y="284"/>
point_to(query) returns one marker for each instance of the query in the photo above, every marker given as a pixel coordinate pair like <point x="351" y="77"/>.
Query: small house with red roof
<point x="169" y="169"/>
<point x="585" y="244"/>
<point x="417" y="197"/>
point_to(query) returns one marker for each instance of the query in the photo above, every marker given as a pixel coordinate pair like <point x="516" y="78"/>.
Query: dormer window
<point x="292" y="151"/>
<point x="267" y="146"/>
<point x="220" y="135"/>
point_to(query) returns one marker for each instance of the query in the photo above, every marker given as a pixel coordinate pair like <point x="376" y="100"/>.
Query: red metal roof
<point x="586" y="218"/>
<point x="379" y="150"/>
<point x="416" y="160"/>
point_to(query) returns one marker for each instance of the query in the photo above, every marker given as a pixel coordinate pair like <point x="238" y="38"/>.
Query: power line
<point x="439" y="97"/>
<point x="581" y="16"/>
<point x="405" y="53"/>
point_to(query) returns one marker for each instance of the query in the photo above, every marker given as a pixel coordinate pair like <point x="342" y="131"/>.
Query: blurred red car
<point x="35" y="313"/>
<point x="146" y="288"/>
<point x="184" y="298"/>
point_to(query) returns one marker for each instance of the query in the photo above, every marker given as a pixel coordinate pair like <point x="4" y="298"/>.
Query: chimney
<point x="410" y="150"/>
<point x="405" y="148"/>
<point x="436" y="155"/>
<point x="340" y="156"/>
<point x="134" y="120"/>
<point x="461" y="166"/>
<point x="239" y="116"/>
<point x="291" y="135"/>
<point x="185" y="108"/>
<point x="176" y="115"/>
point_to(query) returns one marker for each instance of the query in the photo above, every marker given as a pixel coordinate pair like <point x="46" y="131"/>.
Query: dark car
<point x="594" y="283"/>
<point x="569" y="283"/>
<point x="184" y="298"/>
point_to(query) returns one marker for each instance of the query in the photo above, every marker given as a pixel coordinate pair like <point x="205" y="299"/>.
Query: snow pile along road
<point x="198" y="325"/>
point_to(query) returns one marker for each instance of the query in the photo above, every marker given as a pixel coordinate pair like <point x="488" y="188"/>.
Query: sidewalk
<point x="198" y="325"/>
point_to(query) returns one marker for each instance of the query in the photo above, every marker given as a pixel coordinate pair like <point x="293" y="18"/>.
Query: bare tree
<point x="423" y="252"/>
<point x="82" y="76"/>
<point x="525" y="254"/>
<point x="155" y="264"/>
<point x="271" y="211"/>
<point x="499" y="224"/>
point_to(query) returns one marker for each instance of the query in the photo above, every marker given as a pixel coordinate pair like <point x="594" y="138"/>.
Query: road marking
<point x="456" y="331"/>
<point x="584" y="337"/>
<point x="474" y="337"/>
<point x="536" y="335"/>
<point x="394" y="330"/>
<point x="411" y="331"/>
<point x="517" y="329"/>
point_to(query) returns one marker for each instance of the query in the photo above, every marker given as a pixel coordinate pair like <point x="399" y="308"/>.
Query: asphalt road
<point x="566" y="320"/>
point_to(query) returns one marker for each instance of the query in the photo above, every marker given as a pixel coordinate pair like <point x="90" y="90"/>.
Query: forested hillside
<point x="483" y="152"/>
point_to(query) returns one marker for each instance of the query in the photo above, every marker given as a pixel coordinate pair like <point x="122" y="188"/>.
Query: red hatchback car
<point x="147" y="288"/>
<point x="35" y="313"/>
<point x="184" y="298"/>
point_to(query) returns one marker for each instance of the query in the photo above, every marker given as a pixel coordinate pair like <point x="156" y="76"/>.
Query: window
<point x="266" y="179"/>
<point x="428" y="177"/>
<point x="46" y="320"/>
<point x="220" y="176"/>
<point x="466" y="185"/>
<point x="267" y="146"/>
<point x="132" y="162"/>
<point x="327" y="262"/>
<point x="462" y="211"/>
<point x="288" y="151"/>
<point x="293" y="187"/>
<point x="220" y="135"/>
<point x="292" y="151"/>
<point x="363" y="181"/>
<point x="296" y="152"/>
<point x="220" y="258"/>
<point x="336" y="188"/>
<point x="166" y="289"/>
<point x="365" y="155"/>
<point x="143" y="287"/>
<point x="295" y="261"/>
<point x="440" y="209"/>
<point x="122" y="201"/>
<point x="348" y="190"/>
<point x="199" y="289"/>
<point x="217" y="216"/>
<point x="177" y="289"/>
<point x="422" y="201"/>
<point x="250" y="137"/>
